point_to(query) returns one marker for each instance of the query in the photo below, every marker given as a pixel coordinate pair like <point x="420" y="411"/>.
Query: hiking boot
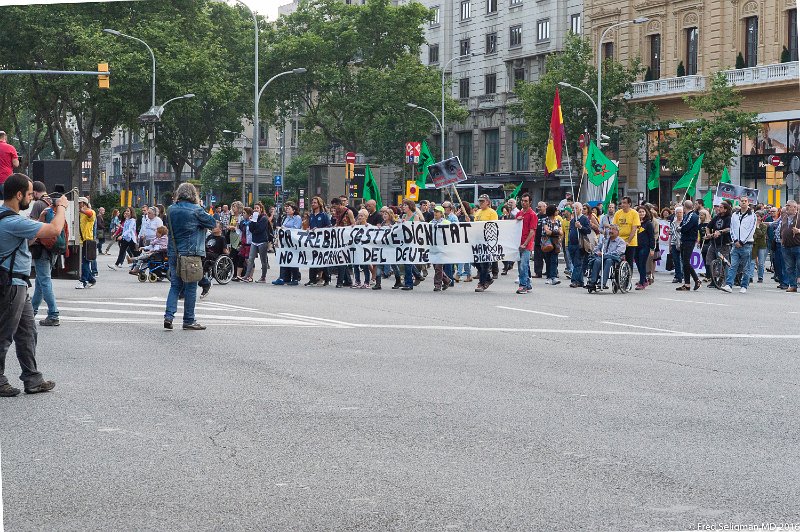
<point x="49" y="322"/>
<point x="193" y="327"/>
<point x="206" y="290"/>
<point x="168" y="325"/>
<point x="7" y="390"/>
<point x="45" y="386"/>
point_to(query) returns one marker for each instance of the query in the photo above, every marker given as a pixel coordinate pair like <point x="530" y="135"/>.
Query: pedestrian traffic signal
<point x="102" y="80"/>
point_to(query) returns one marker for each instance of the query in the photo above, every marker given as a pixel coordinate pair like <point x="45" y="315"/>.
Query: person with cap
<point x="88" y="244"/>
<point x="484" y="213"/>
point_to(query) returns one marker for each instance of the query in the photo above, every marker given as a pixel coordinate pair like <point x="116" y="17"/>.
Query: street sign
<point x="213" y="199"/>
<point x="774" y="160"/>
<point x="413" y="149"/>
<point x="302" y="203"/>
<point x="350" y="158"/>
<point x="278" y="181"/>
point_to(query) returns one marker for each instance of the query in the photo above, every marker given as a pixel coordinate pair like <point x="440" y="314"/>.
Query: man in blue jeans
<point x="743" y="229"/>
<point x="790" y="240"/>
<point x="87" y="222"/>
<point x="529" y="223"/>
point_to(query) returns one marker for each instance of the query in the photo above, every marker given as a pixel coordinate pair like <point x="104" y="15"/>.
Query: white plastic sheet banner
<point x="405" y="243"/>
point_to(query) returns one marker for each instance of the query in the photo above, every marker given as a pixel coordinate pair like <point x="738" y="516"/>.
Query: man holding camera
<point x="16" y="313"/>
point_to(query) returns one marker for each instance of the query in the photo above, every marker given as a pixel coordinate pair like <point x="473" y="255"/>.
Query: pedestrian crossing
<point x="150" y="310"/>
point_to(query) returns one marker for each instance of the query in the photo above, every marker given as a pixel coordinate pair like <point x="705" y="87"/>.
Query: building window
<point x="515" y="36"/>
<point x="464" y="47"/>
<point x="751" y="41"/>
<point x="575" y="24"/>
<point x="491" y="43"/>
<point x="516" y="2"/>
<point x="692" y="42"/>
<point x="435" y="15"/>
<point x="491" y="139"/>
<point x="433" y="54"/>
<point x="465" y="9"/>
<point x="543" y="30"/>
<point x="519" y="155"/>
<point x="490" y="84"/>
<point x="655" y="56"/>
<point x="491" y="6"/>
<point x="608" y="51"/>
<point x="465" y="150"/>
<point x="463" y="88"/>
<point x="792" y="44"/>
<point x="519" y="75"/>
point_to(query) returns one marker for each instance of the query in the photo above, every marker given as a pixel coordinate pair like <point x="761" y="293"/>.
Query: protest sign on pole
<point x="732" y="193"/>
<point x="405" y="243"/>
<point x="447" y="172"/>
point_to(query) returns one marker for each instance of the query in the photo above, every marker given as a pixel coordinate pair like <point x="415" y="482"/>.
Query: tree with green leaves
<point x="363" y="68"/>
<point x="624" y="121"/>
<point x="717" y="127"/>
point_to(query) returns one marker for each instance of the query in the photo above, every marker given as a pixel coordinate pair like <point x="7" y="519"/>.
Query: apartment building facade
<point x="683" y="43"/>
<point x="485" y="48"/>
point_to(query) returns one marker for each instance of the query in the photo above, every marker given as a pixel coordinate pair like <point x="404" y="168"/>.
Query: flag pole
<point x="569" y="166"/>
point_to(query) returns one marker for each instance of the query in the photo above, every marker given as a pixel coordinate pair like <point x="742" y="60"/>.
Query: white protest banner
<point x="405" y="243"/>
<point x="447" y="172"/>
<point x="732" y="193"/>
<point x="697" y="260"/>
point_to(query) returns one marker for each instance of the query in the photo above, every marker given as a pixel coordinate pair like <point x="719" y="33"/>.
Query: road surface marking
<point x="319" y="321"/>
<point x="246" y="319"/>
<point x="643" y="327"/>
<point x="534" y="312"/>
<point x="697" y="302"/>
<point x="201" y="305"/>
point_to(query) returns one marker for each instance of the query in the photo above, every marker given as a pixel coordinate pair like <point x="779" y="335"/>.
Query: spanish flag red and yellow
<point x="552" y="159"/>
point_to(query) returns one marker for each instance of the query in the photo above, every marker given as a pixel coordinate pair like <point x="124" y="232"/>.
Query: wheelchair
<point x="219" y="268"/>
<point x="620" y="276"/>
<point x="155" y="269"/>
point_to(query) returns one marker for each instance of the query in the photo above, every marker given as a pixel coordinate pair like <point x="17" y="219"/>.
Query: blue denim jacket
<point x="187" y="224"/>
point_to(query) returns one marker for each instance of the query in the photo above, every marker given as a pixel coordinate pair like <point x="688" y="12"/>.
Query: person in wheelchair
<point x="608" y="251"/>
<point x="157" y="250"/>
<point x="216" y="245"/>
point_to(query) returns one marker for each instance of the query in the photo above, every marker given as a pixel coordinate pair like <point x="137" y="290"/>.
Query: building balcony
<point x="667" y="87"/>
<point x="123" y="148"/>
<point x="762" y="74"/>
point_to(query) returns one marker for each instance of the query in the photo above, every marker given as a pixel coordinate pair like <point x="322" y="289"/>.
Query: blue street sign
<point x="213" y="199"/>
<point x="278" y="181"/>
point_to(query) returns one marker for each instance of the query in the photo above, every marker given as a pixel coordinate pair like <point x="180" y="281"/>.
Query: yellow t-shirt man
<point x="87" y="224"/>
<point x="628" y="222"/>
<point x="485" y="215"/>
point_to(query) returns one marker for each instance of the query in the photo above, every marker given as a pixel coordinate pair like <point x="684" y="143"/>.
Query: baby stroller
<point x="155" y="269"/>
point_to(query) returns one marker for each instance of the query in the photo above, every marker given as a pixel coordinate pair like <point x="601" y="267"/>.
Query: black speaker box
<point x="53" y="173"/>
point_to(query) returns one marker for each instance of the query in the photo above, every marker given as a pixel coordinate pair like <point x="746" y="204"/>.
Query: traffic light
<point x="102" y="80"/>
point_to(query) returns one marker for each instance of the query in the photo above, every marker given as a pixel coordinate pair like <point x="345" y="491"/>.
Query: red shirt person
<point x="9" y="160"/>
<point x="529" y="223"/>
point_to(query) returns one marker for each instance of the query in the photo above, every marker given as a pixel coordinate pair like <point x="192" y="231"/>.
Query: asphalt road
<point x="317" y="408"/>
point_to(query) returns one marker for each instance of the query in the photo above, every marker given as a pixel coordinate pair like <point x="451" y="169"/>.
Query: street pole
<point x="256" y="95"/>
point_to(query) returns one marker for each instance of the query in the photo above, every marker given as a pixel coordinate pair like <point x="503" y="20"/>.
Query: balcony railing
<point x="123" y="148"/>
<point x="763" y="74"/>
<point x="667" y="86"/>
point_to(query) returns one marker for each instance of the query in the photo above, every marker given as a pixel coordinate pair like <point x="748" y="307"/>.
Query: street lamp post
<point x="599" y="106"/>
<point x="244" y="160"/>
<point x="444" y="71"/>
<point x="152" y="56"/>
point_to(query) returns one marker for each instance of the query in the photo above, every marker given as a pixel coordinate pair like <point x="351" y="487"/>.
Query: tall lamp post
<point x="244" y="159"/>
<point x="444" y="71"/>
<point x="153" y="57"/>
<point x="599" y="106"/>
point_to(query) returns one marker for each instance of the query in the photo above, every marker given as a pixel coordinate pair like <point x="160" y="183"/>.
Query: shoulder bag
<point x="190" y="267"/>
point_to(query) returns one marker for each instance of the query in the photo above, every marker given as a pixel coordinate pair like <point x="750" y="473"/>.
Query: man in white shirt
<point x="743" y="228"/>
<point x="150" y="224"/>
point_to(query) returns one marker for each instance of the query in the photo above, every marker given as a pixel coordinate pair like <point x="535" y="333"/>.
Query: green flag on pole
<point x="425" y="160"/>
<point x="654" y="178"/>
<point x="708" y="199"/>
<point x="371" y="190"/>
<point x="599" y="167"/>
<point x="689" y="179"/>
<point x="513" y="195"/>
<point x="612" y="196"/>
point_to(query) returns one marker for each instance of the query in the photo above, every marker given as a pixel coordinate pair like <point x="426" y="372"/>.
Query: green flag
<point x="513" y="195"/>
<point x="689" y="179"/>
<point x="371" y="190"/>
<point x="599" y="167"/>
<point x="654" y="178"/>
<point x="708" y="199"/>
<point x="612" y="196"/>
<point x="425" y="160"/>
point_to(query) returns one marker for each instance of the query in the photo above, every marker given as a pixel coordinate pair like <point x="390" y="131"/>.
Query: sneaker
<point x="640" y="286"/>
<point x="80" y="286"/>
<point x="782" y="287"/>
<point x="310" y="283"/>
<point x="676" y="281"/>
<point x="91" y="284"/>
<point x="7" y="390"/>
<point x="356" y="286"/>
<point x="112" y="267"/>
<point x="761" y="280"/>
<point x="49" y="322"/>
<point x="293" y="283"/>
<point x="261" y="281"/>
<point x="168" y="325"/>
<point x="522" y="290"/>
<point x="44" y="386"/>
<point x="743" y="290"/>
<point x="555" y="282"/>
<point x="407" y="288"/>
<point x="365" y="286"/>
<point x="547" y="281"/>
<point x="376" y="286"/>
<point x="480" y="288"/>
<point x="437" y="289"/>
<point x="206" y="290"/>
<point x="278" y="282"/>
<point x="193" y="327"/>
<point x="727" y="288"/>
